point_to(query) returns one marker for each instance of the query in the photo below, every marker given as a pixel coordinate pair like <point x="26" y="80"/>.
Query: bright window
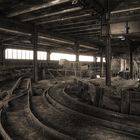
<point x="31" y="55"/>
<point x="58" y="56"/>
<point x="85" y="58"/>
<point x="9" y="53"/>
<point x="99" y="59"/>
<point x="24" y="54"/>
<point x="19" y="54"/>
<point x="42" y="55"/>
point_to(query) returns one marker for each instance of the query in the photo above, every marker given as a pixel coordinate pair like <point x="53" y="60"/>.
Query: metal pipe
<point x="108" y="48"/>
<point x="35" y="64"/>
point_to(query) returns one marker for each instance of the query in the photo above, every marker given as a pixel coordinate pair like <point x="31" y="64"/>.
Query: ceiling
<point x="63" y="23"/>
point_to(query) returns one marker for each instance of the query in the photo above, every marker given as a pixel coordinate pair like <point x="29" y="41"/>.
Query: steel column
<point x="2" y="54"/>
<point x="101" y="65"/>
<point x="35" y="44"/>
<point x="48" y="55"/>
<point x="108" y="49"/>
<point x="131" y="63"/>
<point x="77" y="51"/>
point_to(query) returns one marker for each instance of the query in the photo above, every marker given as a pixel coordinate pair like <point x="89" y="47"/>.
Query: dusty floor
<point x="67" y="121"/>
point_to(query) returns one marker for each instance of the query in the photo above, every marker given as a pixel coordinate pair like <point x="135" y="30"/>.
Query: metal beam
<point x="108" y="48"/>
<point x="48" y="55"/>
<point x="77" y="52"/>
<point x="38" y="7"/>
<point x="63" y="19"/>
<point x="86" y="33"/>
<point x="131" y="61"/>
<point x="125" y="10"/>
<point x="14" y="27"/>
<point x="52" y="14"/>
<point x="102" y="64"/>
<point x="18" y="28"/>
<point x="2" y="52"/>
<point x="82" y="30"/>
<point x="77" y="27"/>
<point x="35" y="44"/>
<point x="60" y="37"/>
<point x="75" y="24"/>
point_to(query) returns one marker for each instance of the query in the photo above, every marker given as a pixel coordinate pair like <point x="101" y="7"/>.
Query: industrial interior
<point x="70" y="69"/>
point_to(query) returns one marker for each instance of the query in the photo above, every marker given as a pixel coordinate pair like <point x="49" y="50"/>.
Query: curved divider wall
<point x="53" y="134"/>
<point x="2" y="130"/>
<point x="127" y="102"/>
<point x="4" y="134"/>
<point x="92" y="110"/>
<point x="71" y="104"/>
<point x="47" y="132"/>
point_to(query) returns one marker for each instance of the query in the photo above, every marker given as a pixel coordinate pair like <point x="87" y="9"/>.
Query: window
<point x="99" y="59"/>
<point x="18" y="54"/>
<point x="8" y="53"/>
<point x="85" y="58"/>
<point x="58" y="56"/>
<point x="24" y="54"/>
<point x="42" y="55"/>
<point x="31" y="55"/>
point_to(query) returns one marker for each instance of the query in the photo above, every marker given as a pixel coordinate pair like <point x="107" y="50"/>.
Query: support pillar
<point x="125" y="102"/>
<point x="77" y="58"/>
<point x="101" y="65"/>
<point x="35" y="64"/>
<point x="95" y="64"/>
<point x="108" y="49"/>
<point x="48" y="55"/>
<point x="2" y="54"/>
<point x="77" y="51"/>
<point x="131" y="63"/>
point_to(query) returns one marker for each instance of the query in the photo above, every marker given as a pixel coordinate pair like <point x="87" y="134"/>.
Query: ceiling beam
<point x="82" y="30"/>
<point x="86" y="33"/>
<point x="38" y="7"/>
<point x="125" y="10"/>
<point x="18" y="28"/>
<point x="77" y="27"/>
<point x="14" y="27"/>
<point x="63" y="19"/>
<point x="31" y="18"/>
<point x="75" y="24"/>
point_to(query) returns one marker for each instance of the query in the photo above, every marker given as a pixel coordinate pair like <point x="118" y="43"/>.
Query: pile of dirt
<point x="118" y="84"/>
